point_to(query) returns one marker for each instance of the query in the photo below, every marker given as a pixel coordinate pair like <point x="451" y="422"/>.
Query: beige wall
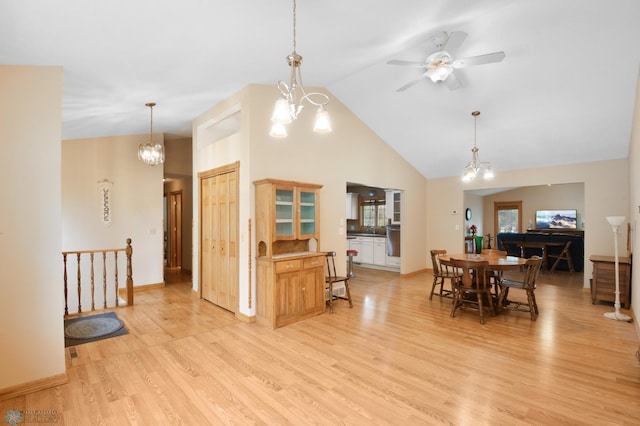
<point x="32" y="302"/>
<point x="137" y="211"/>
<point x="539" y="197"/>
<point x="351" y="153"/>
<point x="606" y="193"/>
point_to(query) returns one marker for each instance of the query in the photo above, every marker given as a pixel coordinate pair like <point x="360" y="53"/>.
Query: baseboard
<point x="246" y="318"/>
<point x="122" y="292"/>
<point x="34" y="386"/>
<point x="410" y="274"/>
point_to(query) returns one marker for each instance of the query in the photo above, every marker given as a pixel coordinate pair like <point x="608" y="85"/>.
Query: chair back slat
<point x="331" y="264"/>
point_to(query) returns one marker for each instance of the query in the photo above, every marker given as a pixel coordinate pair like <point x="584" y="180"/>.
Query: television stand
<point x="578" y="232"/>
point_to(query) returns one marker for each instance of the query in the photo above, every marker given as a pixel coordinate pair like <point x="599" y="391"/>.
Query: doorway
<point x="174" y="230"/>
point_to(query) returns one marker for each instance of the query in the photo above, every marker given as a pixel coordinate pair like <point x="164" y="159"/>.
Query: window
<point x="373" y="213"/>
<point x="507" y="216"/>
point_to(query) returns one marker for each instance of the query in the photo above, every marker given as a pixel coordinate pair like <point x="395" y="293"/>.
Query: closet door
<point x="219" y="246"/>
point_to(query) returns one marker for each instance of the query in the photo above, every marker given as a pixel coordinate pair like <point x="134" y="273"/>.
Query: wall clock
<point x="468" y="214"/>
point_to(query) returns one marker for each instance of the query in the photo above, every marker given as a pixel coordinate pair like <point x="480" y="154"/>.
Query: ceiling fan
<point x="440" y="65"/>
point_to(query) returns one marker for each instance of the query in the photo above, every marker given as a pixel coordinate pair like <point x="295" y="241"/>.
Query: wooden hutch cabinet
<point x="603" y="283"/>
<point x="290" y="270"/>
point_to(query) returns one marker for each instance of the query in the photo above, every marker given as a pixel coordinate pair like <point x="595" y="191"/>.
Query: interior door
<point x="219" y="236"/>
<point x="175" y="229"/>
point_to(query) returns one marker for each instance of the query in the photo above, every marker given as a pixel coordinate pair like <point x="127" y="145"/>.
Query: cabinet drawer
<point x="288" y="266"/>
<point x="313" y="262"/>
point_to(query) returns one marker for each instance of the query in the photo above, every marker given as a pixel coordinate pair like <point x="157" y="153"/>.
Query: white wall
<point x="137" y="202"/>
<point x="606" y="193"/>
<point x="31" y="306"/>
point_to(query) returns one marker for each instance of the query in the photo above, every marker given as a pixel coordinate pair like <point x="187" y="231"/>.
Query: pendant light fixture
<point x="292" y="95"/>
<point x="473" y="167"/>
<point x="150" y="153"/>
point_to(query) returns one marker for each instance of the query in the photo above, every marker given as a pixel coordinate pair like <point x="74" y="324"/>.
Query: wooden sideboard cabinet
<point x="290" y="289"/>
<point x="290" y="275"/>
<point x="603" y="284"/>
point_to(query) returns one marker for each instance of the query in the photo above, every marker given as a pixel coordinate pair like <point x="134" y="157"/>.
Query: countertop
<point x="364" y="234"/>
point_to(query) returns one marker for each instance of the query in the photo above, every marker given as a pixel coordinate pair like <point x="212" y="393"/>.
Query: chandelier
<point x="473" y="167"/>
<point x="149" y="153"/>
<point x="292" y="95"/>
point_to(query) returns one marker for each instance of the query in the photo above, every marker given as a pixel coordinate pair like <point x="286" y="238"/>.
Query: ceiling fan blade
<point x="453" y="82"/>
<point x="409" y="84"/>
<point x="454" y="42"/>
<point x="400" y="62"/>
<point x="478" y="60"/>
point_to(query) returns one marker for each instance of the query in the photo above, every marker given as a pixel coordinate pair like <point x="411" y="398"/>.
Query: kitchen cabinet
<point x="352" y="206"/>
<point x="356" y="244"/>
<point x="603" y="283"/>
<point x="366" y="254"/>
<point x="290" y="270"/>
<point x="393" y="261"/>
<point x="379" y="251"/>
<point x="392" y="207"/>
<point x="290" y="289"/>
<point x="371" y="250"/>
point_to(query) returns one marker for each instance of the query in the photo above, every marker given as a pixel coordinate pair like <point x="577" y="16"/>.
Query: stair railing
<point x="128" y="251"/>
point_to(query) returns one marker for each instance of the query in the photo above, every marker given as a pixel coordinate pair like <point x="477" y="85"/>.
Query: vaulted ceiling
<point x="564" y="93"/>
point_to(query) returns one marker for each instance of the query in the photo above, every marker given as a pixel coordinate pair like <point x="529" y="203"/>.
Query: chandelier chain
<point x="294" y="25"/>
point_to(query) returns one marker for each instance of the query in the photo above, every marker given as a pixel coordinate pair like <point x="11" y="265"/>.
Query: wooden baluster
<point x="115" y="256"/>
<point x="66" y="306"/>
<point x="93" y="297"/>
<point x="129" y="251"/>
<point x="79" y="287"/>
<point x="104" y="277"/>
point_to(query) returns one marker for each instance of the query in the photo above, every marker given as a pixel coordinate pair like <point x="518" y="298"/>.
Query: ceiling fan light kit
<point x="474" y="166"/>
<point x="290" y="103"/>
<point x="440" y="66"/>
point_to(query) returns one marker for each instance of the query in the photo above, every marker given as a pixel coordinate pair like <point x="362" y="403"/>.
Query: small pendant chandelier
<point x="289" y="104"/>
<point x="473" y="167"/>
<point x="149" y="153"/>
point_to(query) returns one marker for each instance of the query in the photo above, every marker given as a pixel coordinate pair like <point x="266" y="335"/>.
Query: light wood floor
<point x="396" y="358"/>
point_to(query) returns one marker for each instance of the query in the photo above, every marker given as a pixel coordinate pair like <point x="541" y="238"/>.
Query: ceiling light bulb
<point x="439" y="73"/>
<point x="278" y="131"/>
<point x="488" y="173"/>
<point x="281" y="112"/>
<point x="323" y="122"/>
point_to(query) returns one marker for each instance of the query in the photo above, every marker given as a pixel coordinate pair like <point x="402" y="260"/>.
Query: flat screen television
<point x="556" y="219"/>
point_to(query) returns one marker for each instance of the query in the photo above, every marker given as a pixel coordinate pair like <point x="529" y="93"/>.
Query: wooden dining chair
<point x="441" y="273"/>
<point x="563" y="255"/>
<point x="332" y="278"/>
<point x="471" y="286"/>
<point x="528" y="285"/>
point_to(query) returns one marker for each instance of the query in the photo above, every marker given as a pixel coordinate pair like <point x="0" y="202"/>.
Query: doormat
<point x="92" y="328"/>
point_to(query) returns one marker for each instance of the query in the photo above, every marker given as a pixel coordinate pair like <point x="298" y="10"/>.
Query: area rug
<point x="95" y="327"/>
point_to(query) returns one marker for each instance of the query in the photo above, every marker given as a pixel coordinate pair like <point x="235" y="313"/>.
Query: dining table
<point x="497" y="263"/>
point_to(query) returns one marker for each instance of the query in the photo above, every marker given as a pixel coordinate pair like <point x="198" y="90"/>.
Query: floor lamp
<point x="615" y="222"/>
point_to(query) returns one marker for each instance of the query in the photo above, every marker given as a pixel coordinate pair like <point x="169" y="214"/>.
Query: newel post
<point x="129" y="252"/>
